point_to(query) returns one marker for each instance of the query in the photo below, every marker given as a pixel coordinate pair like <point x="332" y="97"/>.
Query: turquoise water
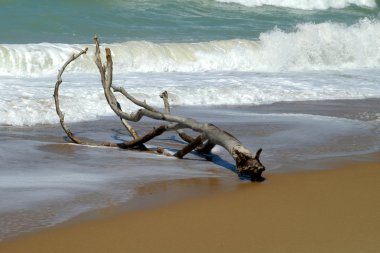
<point x="69" y="21"/>
<point x="268" y="50"/>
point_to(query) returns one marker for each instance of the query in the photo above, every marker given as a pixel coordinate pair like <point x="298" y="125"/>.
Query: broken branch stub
<point x="209" y="135"/>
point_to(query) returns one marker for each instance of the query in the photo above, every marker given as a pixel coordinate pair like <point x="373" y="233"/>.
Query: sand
<point x="336" y="210"/>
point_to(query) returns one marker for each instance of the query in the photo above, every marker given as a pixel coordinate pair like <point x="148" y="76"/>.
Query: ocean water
<point x="228" y="54"/>
<point x="269" y="51"/>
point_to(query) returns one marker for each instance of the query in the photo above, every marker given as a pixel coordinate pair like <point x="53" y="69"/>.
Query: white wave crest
<point x="305" y="4"/>
<point x="34" y="59"/>
<point x="325" y="46"/>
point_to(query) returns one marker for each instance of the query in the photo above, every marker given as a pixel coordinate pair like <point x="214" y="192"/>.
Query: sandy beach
<point x="334" y="210"/>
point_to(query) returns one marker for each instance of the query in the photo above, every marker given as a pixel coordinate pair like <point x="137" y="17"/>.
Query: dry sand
<point x="334" y="210"/>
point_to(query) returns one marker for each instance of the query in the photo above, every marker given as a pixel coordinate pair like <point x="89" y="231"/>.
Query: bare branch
<point x="246" y="163"/>
<point x="102" y="71"/>
<point x="189" y="147"/>
<point x="98" y="61"/>
<point x="165" y="97"/>
<point x="130" y="129"/>
<point x="206" y="148"/>
<point x="58" y="108"/>
<point x="150" y="135"/>
<point x="143" y="104"/>
<point x="184" y="136"/>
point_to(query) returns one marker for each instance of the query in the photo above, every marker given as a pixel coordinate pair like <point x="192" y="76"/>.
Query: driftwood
<point x="247" y="164"/>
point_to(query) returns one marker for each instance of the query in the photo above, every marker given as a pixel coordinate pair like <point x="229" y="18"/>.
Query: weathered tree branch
<point x="189" y="147"/>
<point x="135" y="144"/>
<point x="143" y="104"/>
<point x="130" y="129"/>
<point x="246" y="163"/>
<point x="205" y="148"/>
<point x="150" y="135"/>
<point x="56" y="97"/>
<point x="165" y="97"/>
<point x="184" y="136"/>
<point x="210" y="135"/>
<point x="60" y="113"/>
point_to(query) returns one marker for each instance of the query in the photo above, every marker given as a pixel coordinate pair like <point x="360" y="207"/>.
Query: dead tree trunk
<point x="247" y="164"/>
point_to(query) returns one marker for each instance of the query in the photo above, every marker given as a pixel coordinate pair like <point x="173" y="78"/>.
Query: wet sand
<point x="157" y="204"/>
<point x="336" y="210"/>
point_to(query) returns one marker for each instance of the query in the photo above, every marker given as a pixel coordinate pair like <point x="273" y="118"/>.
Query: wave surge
<point x="325" y="46"/>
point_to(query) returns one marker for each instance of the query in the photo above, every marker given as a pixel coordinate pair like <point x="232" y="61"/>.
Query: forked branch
<point x="209" y="135"/>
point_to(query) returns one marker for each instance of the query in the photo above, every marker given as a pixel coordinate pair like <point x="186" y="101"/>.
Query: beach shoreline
<point x="331" y="210"/>
<point x="55" y="182"/>
<point x="297" y="81"/>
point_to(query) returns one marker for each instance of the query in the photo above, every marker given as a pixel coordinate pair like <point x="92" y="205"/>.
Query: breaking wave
<point x="325" y="46"/>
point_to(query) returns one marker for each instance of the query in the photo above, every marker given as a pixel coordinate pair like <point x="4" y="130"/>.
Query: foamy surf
<point x="29" y="103"/>
<point x="305" y="4"/>
<point x="315" y="62"/>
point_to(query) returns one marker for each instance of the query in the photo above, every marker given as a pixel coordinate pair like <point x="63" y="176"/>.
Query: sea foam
<point x="305" y="4"/>
<point x="82" y="98"/>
